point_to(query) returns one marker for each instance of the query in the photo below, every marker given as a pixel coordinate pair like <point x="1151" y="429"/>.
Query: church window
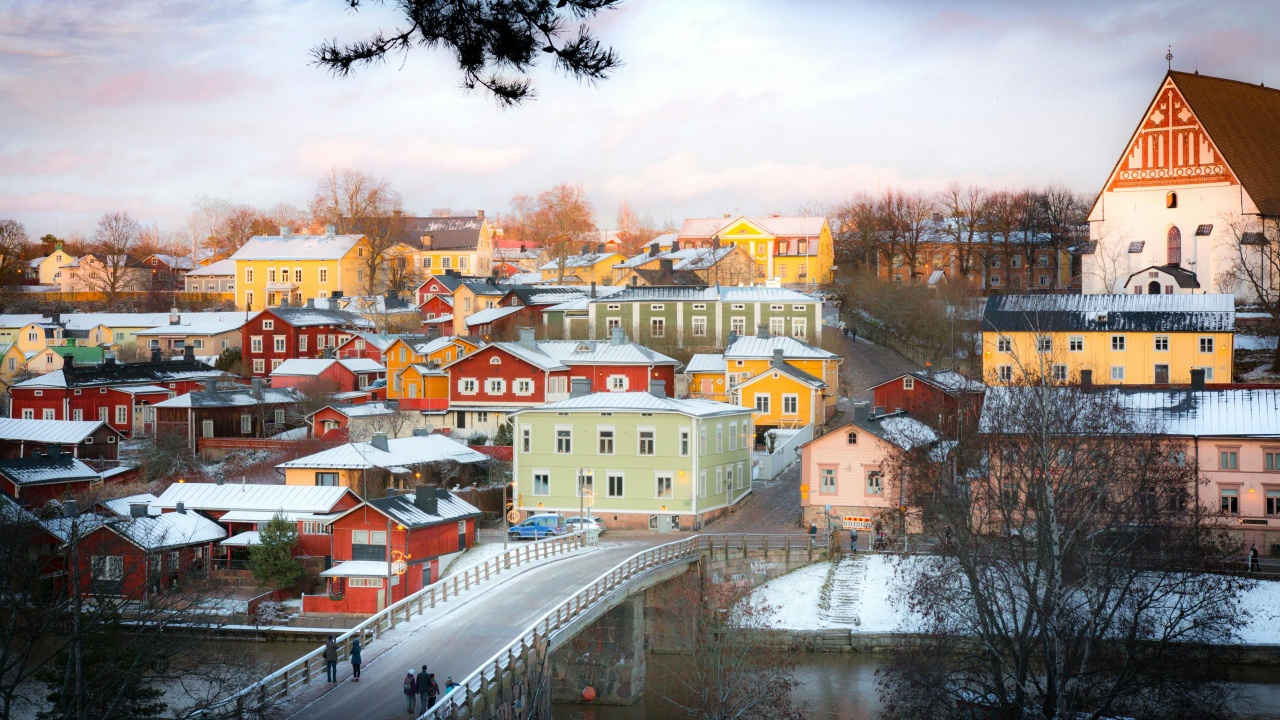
<point x="1174" y="246"/>
<point x="1171" y="200"/>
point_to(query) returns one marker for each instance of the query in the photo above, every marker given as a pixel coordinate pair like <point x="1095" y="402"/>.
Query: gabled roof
<point x="753" y="347"/>
<point x="144" y="373"/>
<point x="642" y="402"/>
<point x="38" y="471"/>
<point x="482" y="286"/>
<point x="580" y="260"/>
<point x="753" y="293"/>
<point x="297" y="247"/>
<point x="311" y="316"/>
<point x="786" y="370"/>
<point x="168" y="530"/>
<point x="239" y="397"/>
<point x="447" y="232"/>
<point x="449" y="281"/>
<point x="488" y="315"/>
<point x="706" y="363"/>
<point x="120" y="506"/>
<point x="69" y="432"/>
<point x="314" y="367"/>
<point x="219" y="268"/>
<point x="659" y="276"/>
<point x="776" y="225"/>
<point x="899" y="428"/>
<point x="401" y="452"/>
<point x="1182" y="276"/>
<point x="173" y="261"/>
<point x="948" y="381"/>
<point x="534" y="357"/>
<point x="373" y="409"/>
<point x="602" y="352"/>
<point x="401" y="508"/>
<point x="211" y="497"/>
<point x="1132" y="313"/>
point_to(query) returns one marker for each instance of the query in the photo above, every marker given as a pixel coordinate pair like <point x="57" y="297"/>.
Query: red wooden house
<point x="283" y="333"/>
<point x="934" y="397"/>
<point x="86" y="393"/>
<point x="145" y="555"/>
<point x="403" y="536"/>
<point x="371" y="346"/>
<point x="333" y="375"/>
<point x="438" y="285"/>
<point x="34" y="481"/>
<point x="436" y="306"/>
<point x="87" y="440"/>
<point x="333" y="422"/>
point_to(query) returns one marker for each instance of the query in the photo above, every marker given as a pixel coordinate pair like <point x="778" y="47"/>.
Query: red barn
<point x="283" y="333"/>
<point x="145" y="555"/>
<point x="411" y="532"/>
<point x="332" y="375"/>
<point x="934" y="397"/>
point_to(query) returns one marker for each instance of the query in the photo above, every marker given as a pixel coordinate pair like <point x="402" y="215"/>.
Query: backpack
<point x="408" y="685"/>
<point x="435" y="689"/>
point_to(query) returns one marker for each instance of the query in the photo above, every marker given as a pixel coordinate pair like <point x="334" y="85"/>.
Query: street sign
<point x="861" y="523"/>
<point x="589" y="501"/>
<point x="828" y="508"/>
<point x="513" y="516"/>
<point x="399" y="567"/>
<point x="804" y="492"/>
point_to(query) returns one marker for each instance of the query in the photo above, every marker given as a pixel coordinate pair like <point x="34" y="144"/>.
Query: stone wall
<point x="607" y="656"/>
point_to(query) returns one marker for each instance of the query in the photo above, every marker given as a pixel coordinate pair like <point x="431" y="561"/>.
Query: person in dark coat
<point x="424" y="689"/>
<point x="331" y="659"/>
<point x="853" y="540"/>
<point x="410" y="691"/>
<point x="813" y="529"/>
<point x="355" y="660"/>
<point x="433" y="691"/>
<point x="1254" y="565"/>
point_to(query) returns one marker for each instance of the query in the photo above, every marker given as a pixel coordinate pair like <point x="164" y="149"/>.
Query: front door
<point x="1162" y="374"/>
<point x="382" y="598"/>
<point x="462" y="420"/>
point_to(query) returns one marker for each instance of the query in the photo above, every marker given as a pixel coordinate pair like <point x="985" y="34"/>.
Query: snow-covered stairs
<point x="844" y="592"/>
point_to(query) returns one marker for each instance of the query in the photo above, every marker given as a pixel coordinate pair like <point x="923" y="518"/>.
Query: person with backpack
<point x="424" y="689"/>
<point x="331" y="659"/>
<point x="410" y="691"/>
<point x="853" y="541"/>
<point x="449" y="685"/>
<point x="355" y="660"/>
<point x="433" y="691"/>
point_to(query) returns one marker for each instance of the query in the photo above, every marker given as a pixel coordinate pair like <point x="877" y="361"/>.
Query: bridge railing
<point x="292" y="677"/>
<point x="472" y="697"/>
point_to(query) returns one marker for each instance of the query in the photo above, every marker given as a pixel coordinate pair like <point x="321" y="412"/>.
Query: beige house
<point x="93" y="273"/>
<point x="48" y="270"/>
<point x="216" y="277"/>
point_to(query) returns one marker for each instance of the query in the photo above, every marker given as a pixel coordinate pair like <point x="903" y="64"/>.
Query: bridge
<point x="499" y="628"/>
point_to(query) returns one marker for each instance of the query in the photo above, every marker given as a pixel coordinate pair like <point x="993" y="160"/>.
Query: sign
<point x="513" y="516"/>
<point x="804" y="492"/>
<point x="399" y="562"/>
<point x="828" y="508"/>
<point x="589" y="501"/>
<point x="860" y="523"/>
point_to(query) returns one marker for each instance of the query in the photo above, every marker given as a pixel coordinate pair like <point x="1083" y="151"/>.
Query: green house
<point x="647" y="461"/>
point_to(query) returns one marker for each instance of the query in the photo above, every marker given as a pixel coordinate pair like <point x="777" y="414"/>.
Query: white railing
<point x="291" y="677"/>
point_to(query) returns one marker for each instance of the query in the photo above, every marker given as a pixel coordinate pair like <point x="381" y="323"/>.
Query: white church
<point x="1198" y="180"/>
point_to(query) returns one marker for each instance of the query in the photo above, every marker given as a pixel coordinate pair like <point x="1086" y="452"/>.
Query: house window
<point x="482" y="417"/>
<point x="1228" y="460"/>
<point x="614" y="488"/>
<point x="1117" y="342"/>
<point x="1273" y="503"/>
<point x="1229" y="501"/>
<point x="122" y="414"/>
<point x="657" y="327"/>
<point x="790" y="404"/>
<point x="564" y="441"/>
<point x="327" y="479"/>
<point x="1117" y="372"/>
<point x="664" y="486"/>
<point x="618" y="383"/>
<point x="1206" y="344"/>
<point x="49" y="415"/>
<point x="557" y="385"/>
<point x="542" y="483"/>
<point x="279" y="343"/>
<point x="908" y="383"/>
<point x="279" y="416"/>
<point x="614" y="306"/>
<point x="799" y="328"/>
<point x="1060" y="373"/>
<point x="255" y="344"/>
<point x="467" y="386"/>
<point x="829" y="480"/>
<point x="719" y="438"/>
<point x="30" y="414"/>
<point x="1162" y="343"/>
<point x="656" y="308"/>
<point x="259" y="366"/>
<point x="875" y="483"/>
<point x="271" y="275"/>
<point x="1004" y="373"/>
<point x="700" y="327"/>
<point x="586" y="483"/>
<point x="495" y="386"/>
<point x="246" y="423"/>
<point x="276" y="363"/>
<point x="268" y="324"/>
<point x="776" y="326"/>
<point x="1044" y="344"/>
<point x="107" y="568"/>
<point x="733" y="436"/>
<point x="605" y="441"/>
<point x="248" y="276"/>
<point x="738" y="325"/>
<point x="1004" y="344"/>
<point x="526" y="440"/>
<point x="523" y="387"/>
<point x="719" y="480"/>
<point x="646" y="442"/>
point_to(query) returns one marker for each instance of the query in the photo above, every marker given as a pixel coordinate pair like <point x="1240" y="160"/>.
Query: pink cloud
<point x="177" y="86"/>
<point x="28" y="162"/>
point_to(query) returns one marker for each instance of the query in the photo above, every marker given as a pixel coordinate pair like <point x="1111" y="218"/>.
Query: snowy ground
<point x="1255" y="342"/>
<point x="797" y="602"/>
<point x="474" y="555"/>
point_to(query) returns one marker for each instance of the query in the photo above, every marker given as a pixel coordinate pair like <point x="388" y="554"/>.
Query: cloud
<point x="173" y="86"/>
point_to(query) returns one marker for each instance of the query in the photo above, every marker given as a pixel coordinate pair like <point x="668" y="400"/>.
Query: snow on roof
<point x="359" y="568"/>
<point x="221" y="267"/>
<point x="1156" y="313"/>
<point x="88" y="321"/>
<point x="297" y="247"/>
<point x="753" y="293"/>
<point x="537" y="358"/>
<point x="489" y="315"/>
<point x="304" y="366"/>
<point x="309" y="316"/>
<point x="524" y="278"/>
<point x="290" y="498"/>
<point x="758" y="348"/>
<point x="168" y="530"/>
<point x="788" y="370"/>
<point x="17" y="321"/>
<point x="580" y="260"/>
<point x="602" y="352"/>
<point x="199" y="328"/>
<point x="906" y="432"/>
<point x="54" y="431"/>
<point x="439" y="320"/>
<point x="426" y="348"/>
<point x="362" y="365"/>
<point x="778" y="225"/>
<point x="246" y="516"/>
<point x="142" y="390"/>
<point x="244" y="539"/>
<point x="416" y="450"/>
<point x="120" y="506"/>
<point x="173" y="261"/>
<point x="36" y="471"/>
<point x="363" y="410"/>
<point x="949" y="380"/>
<point x="706" y="363"/>
<point x="643" y="402"/>
<point x="404" y="510"/>
<point x="81" y="525"/>
<point x="241" y="397"/>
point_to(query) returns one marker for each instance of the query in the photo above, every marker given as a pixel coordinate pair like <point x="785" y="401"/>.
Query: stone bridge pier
<point x="607" y="656"/>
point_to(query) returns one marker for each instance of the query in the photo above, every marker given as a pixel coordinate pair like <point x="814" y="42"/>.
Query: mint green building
<point x="649" y="461"/>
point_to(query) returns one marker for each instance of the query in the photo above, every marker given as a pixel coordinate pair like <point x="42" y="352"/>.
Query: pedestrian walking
<point x="433" y="691"/>
<point x="331" y="659"/>
<point x="853" y="540"/>
<point x="1254" y="565"/>
<point x="449" y="685"/>
<point x="947" y="541"/>
<point x="410" y="691"/>
<point x="853" y="334"/>
<point x="813" y="529"/>
<point x="355" y="660"/>
<point x="424" y="687"/>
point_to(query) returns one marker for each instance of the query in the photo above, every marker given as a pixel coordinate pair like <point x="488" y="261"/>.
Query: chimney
<point x="189" y="353"/>
<point x="284" y="300"/>
<point x="733" y="337"/>
<point x="578" y="387"/>
<point x="862" y="411"/>
<point x="174" y="317"/>
<point x="55" y="318"/>
<point x="616" y="337"/>
<point x="521" y="247"/>
<point x="391" y="492"/>
<point x="211" y="385"/>
<point x="155" y="355"/>
<point x="379" y="441"/>
<point x="1086" y="378"/>
<point x="762" y="331"/>
<point x="1197" y="380"/>
<point x="219" y="480"/>
<point x="55" y="451"/>
<point x="424" y="498"/>
<point x="586" y="249"/>
<point x="421" y="432"/>
<point x="182" y="508"/>
<point x="285" y="231"/>
<point x="778" y="360"/>
<point x="255" y="385"/>
<point x="137" y="510"/>
<point x="526" y="338"/>
<point x="599" y="247"/>
<point x="593" y="288"/>
<point x="109" y="359"/>
<point x="70" y="508"/>
<point x="658" y="388"/>
<point x="330" y="230"/>
<point x="664" y="266"/>
<point x="878" y="411"/>
<point x="68" y="364"/>
<point x="336" y="294"/>
<point x="653" y="249"/>
<point x="479" y="214"/>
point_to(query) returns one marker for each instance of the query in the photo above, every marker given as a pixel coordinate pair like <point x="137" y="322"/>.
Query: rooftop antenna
<point x="1168" y="58"/>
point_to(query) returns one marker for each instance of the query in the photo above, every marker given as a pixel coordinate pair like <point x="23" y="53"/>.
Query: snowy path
<point x="844" y="594"/>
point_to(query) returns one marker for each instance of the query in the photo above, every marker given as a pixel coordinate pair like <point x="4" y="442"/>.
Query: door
<point x="1162" y="374"/>
<point x="382" y="598"/>
<point x="462" y="420"/>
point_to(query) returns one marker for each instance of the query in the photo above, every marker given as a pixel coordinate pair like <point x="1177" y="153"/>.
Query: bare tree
<point x="113" y="268"/>
<point x="965" y="208"/>
<point x="222" y="226"/>
<point x="1255" y="267"/>
<point x="634" y="230"/>
<point x="356" y="202"/>
<point x="1110" y="265"/>
<point x="495" y="44"/>
<point x="560" y="222"/>
<point x="1078" y="573"/>
<point x="14" y="244"/>
<point x="856" y="228"/>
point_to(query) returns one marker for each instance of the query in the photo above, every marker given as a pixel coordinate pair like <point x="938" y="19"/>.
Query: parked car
<point x="537" y="527"/>
<point x="592" y="521"/>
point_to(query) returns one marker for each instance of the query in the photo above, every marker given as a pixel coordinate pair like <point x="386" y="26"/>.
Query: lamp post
<point x="507" y="508"/>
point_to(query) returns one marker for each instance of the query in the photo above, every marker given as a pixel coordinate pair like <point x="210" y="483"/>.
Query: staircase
<point x="844" y="591"/>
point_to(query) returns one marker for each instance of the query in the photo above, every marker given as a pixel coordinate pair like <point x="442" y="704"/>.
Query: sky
<point x="721" y="106"/>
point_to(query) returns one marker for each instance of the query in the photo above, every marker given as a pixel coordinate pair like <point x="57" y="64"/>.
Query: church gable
<point x="1170" y="147"/>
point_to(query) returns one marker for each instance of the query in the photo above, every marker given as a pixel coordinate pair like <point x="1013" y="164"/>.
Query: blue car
<point x="537" y="527"/>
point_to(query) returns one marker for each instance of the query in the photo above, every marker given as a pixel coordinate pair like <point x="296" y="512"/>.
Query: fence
<point x="769" y="465"/>
<point x="497" y="452"/>
<point x="295" y="675"/>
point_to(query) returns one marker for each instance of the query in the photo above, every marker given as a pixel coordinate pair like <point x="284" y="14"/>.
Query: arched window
<point x="1153" y="288"/>
<point x="1171" y="200"/>
<point x="1174" y="247"/>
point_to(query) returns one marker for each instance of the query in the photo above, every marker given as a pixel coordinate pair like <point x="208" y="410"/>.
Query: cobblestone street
<point x="773" y="507"/>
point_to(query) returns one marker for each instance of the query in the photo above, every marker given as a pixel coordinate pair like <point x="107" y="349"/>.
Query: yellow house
<point x="472" y="296"/>
<point x="35" y="337"/>
<point x="783" y="397"/>
<point x="12" y="362"/>
<point x="424" y="387"/>
<point x="417" y="349"/>
<point x="751" y="355"/>
<point x="452" y="242"/>
<point x="792" y="250"/>
<point x="583" y="269"/>
<point x="1118" y="339"/>
<point x="298" y="268"/>
<point x="48" y="269"/>
<point x="706" y="377"/>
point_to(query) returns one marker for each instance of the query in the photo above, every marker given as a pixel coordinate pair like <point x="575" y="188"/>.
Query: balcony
<point x="286" y="286"/>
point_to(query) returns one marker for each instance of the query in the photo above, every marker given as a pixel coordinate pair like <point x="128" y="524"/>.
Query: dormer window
<point x="584" y="347"/>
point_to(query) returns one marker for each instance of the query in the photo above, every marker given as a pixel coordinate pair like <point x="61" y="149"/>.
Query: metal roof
<point x="415" y="450"/>
<point x="644" y="402"/>
<point x="489" y="315"/>
<point x="580" y="260"/>
<point x="221" y="267"/>
<point x="706" y="363"/>
<point x="757" y="348"/>
<point x="789" y="371"/>
<point x="296" y="247"/>
<point x="534" y="357"/>
<point x="777" y="225"/>
<point x="359" y="568"/>
<point x="120" y="506"/>
<point x="51" y="431"/>
<point x="168" y="530"/>
<point x="1101" y="313"/>
<point x="361" y="410"/>
<point x="602" y="352"/>
<point x="309" y="316"/>
<point x="752" y="293"/>
<point x="401" y="508"/>
<point x="36" y="471"/>
<point x="308" y="367"/>
<point x="236" y="496"/>
<point x="242" y="397"/>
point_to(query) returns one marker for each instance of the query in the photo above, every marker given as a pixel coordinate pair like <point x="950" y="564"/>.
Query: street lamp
<point x="507" y="507"/>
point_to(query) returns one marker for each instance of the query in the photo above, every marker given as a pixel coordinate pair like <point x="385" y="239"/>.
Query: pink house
<point x="852" y="468"/>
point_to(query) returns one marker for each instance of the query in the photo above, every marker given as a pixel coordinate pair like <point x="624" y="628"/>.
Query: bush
<point x="506" y="433"/>
<point x="477" y="438"/>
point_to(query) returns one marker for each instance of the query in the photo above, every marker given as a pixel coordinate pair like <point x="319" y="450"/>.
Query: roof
<point x="361" y="410"/>
<point x="899" y="428"/>
<point x="447" y="232"/>
<point x="362" y="365"/>
<point x="535" y="357"/>
<point x="173" y="261"/>
<point x="87" y="321"/>
<point x="380" y="342"/>
<point x="449" y="508"/>
<point x="296" y="247"/>
<point x="38" y="471"/>
<point x="416" y="450"/>
<point x="240" y="396"/>
<point x="580" y="260"/>
<point x="221" y="267"/>
<point x="778" y="225"/>
<point x="706" y="363"/>
<point x="308" y="367"/>
<point x="124" y="374"/>
<point x="1131" y="313"/>
<point x="1183" y="277"/>
<point x="143" y="390"/>
<point x="120" y="506"/>
<point x="525" y="277"/>
<point x="659" y="276"/>
<point x="643" y="402"/>
<point x="168" y="530"/>
<point x="183" y="327"/>
<point x="309" y="316"/>
<point x="791" y="372"/>
<point x="482" y="286"/>
<point x="1243" y="120"/>
<point x="602" y="352"/>
<point x="758" y="348"/>
<point x="359" y="568"/>
<point x="244" y="539"/>
<point x="753" y="293"/>
<point x="69" y="432"/>
<point x="948" y="381"/>
<point x="269" y="498"/>
<point x="449" y="281"/>
<point x="265" y="515"/>
<point x="489" y="315"/>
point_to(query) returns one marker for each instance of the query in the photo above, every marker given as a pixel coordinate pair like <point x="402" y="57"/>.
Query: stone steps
<point x="845" y="591"/>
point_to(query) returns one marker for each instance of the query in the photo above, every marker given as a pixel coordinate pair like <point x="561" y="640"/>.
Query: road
<point x="465" y="636"/>
<point x="865" y="363"/>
